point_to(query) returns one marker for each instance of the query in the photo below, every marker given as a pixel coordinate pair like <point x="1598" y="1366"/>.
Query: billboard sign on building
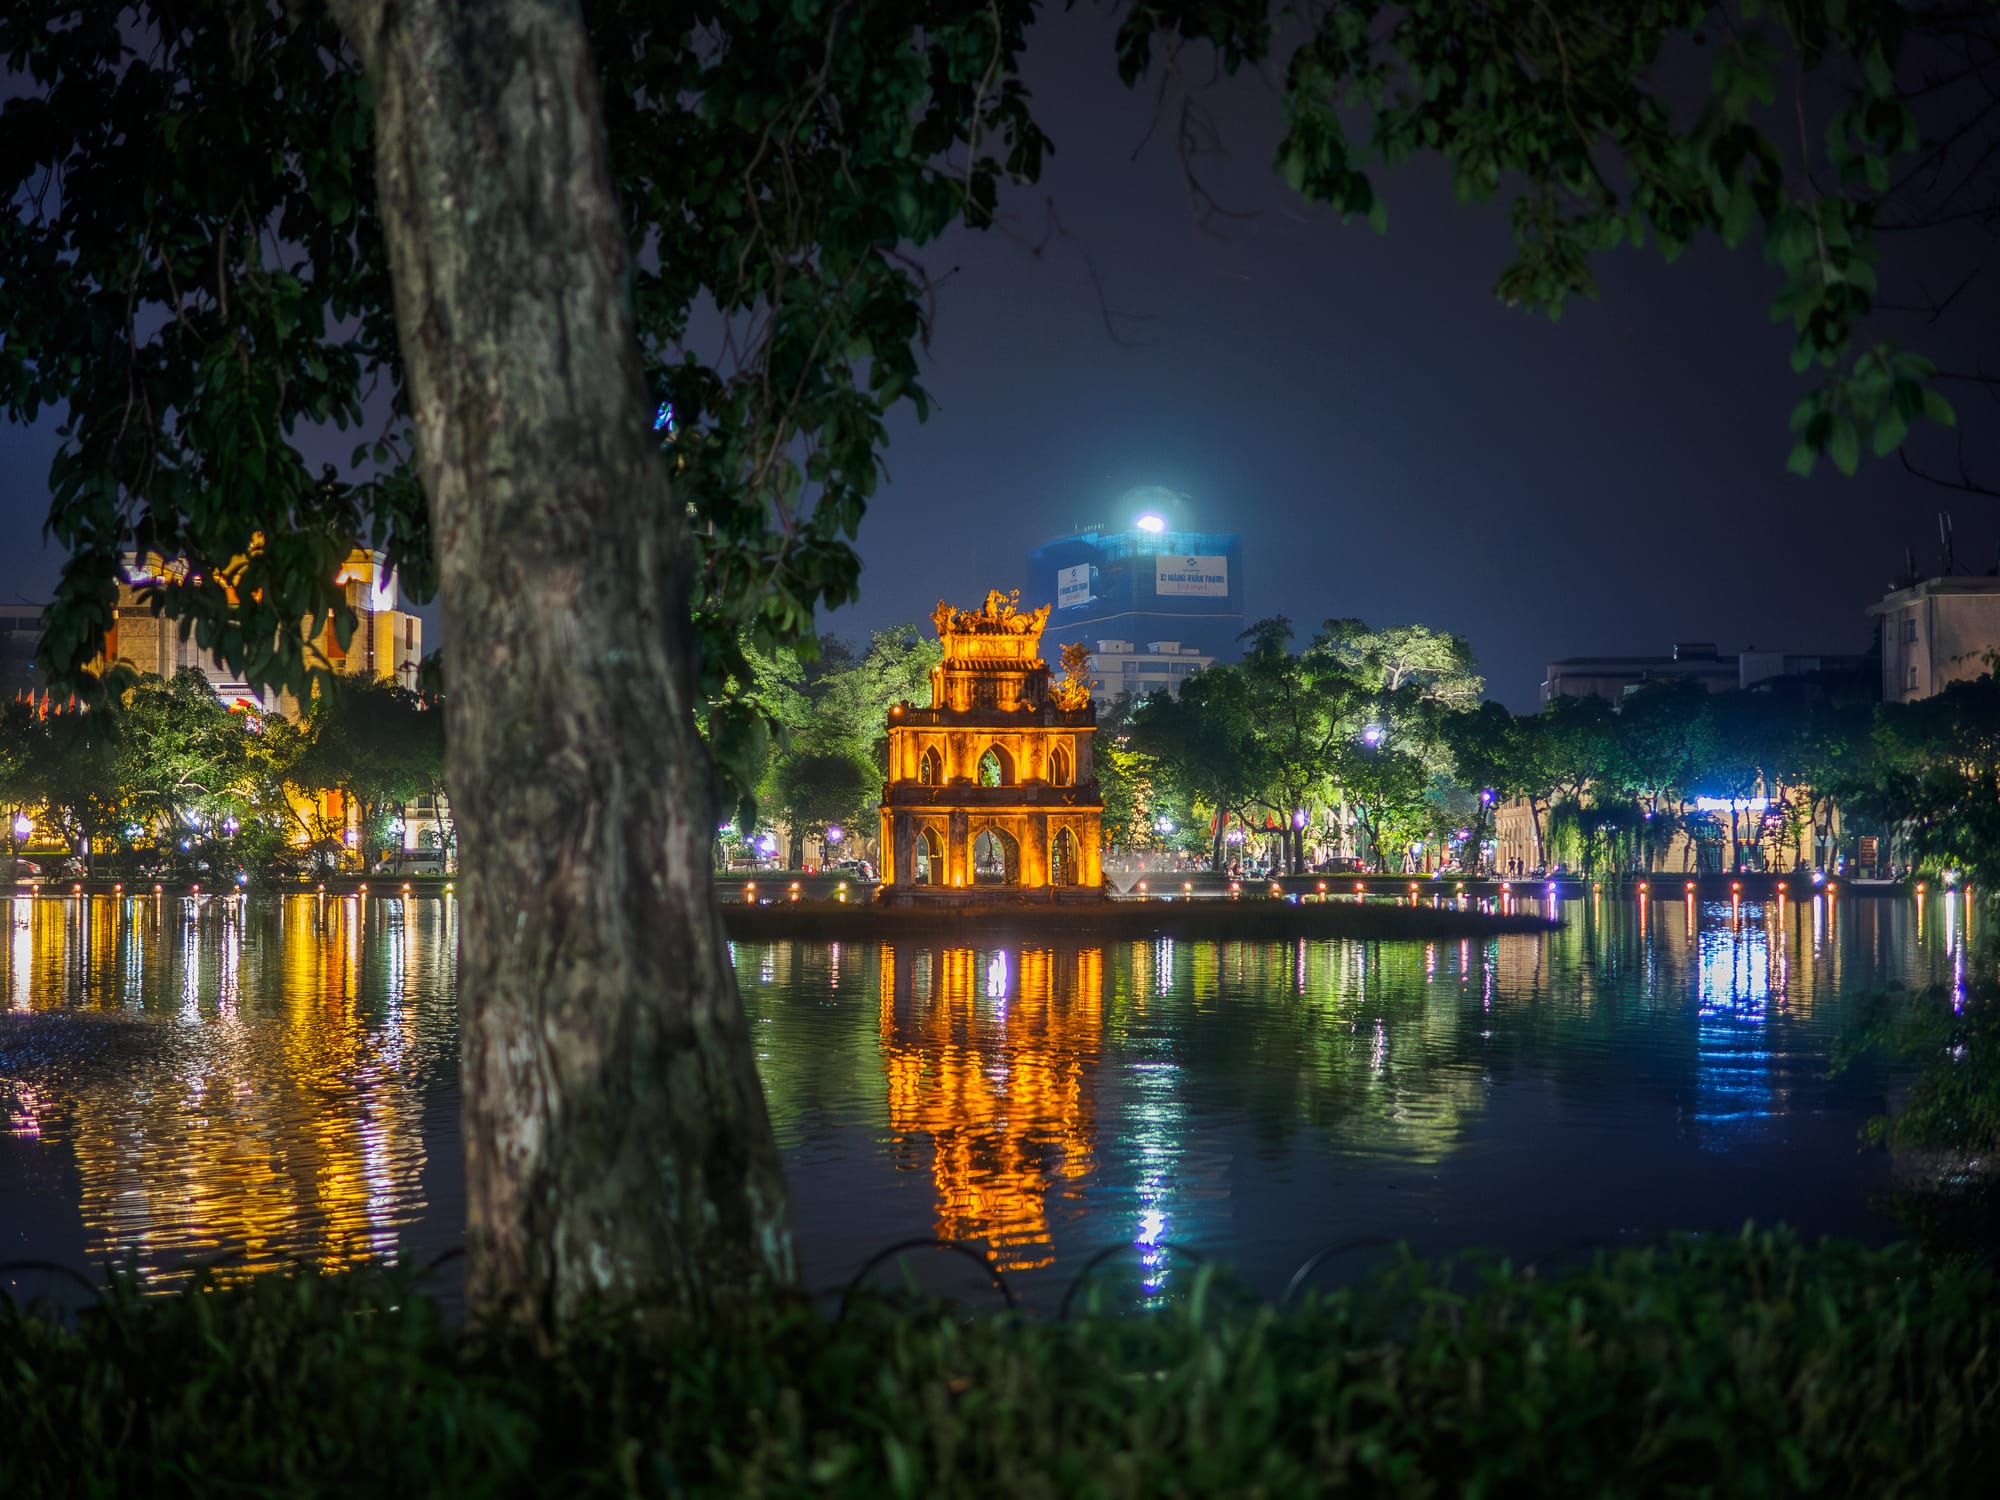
<point x="1073" y="586"/>
<point x="1191" y="577"/>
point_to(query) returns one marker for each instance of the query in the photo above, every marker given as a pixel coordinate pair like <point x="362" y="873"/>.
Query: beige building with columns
<point x="387" y="644"/>
<point x="991" y="789"/>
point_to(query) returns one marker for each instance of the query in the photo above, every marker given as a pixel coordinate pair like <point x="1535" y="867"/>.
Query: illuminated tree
<point x="1201" y="741"/>
<point x="812" y="791"/>
<point x="1932" y="774"/>
<point x="183" y="758"/>
<point x="70" y="772"/>
<point x="379" y="746"/>
<point x="1405" y="662"/>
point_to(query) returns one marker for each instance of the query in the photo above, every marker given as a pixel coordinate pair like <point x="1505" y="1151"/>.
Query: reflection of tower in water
<point x="988" y="1055"/>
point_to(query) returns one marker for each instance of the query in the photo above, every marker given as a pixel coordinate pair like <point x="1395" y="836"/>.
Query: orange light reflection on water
<point x="292" y="1139"/>
<point x="1004" y="1132"/>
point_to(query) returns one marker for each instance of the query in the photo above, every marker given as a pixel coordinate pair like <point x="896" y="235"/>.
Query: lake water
<point x="274" y="1080"/>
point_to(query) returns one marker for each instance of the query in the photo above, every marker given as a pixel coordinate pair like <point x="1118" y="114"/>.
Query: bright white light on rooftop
<point x="1150" y="522"/>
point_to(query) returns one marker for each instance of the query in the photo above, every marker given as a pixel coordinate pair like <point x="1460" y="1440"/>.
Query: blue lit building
<point x="1152" y="599"/>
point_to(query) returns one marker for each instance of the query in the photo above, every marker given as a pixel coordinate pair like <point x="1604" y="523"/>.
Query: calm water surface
<point x="275" y="1080"/>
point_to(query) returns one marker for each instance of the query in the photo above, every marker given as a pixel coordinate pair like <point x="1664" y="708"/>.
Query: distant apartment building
<point x="1612" y="677"/>
<point x="1123" y="667"/>
<point x="1937" y="631"/>
<point x="1155" y="579"/>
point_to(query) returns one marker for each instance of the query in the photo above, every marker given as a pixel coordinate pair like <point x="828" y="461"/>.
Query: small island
<point x="992" y="824"/>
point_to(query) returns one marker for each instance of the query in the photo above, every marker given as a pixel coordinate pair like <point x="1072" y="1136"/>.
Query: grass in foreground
<point x="1748" y="1365"/>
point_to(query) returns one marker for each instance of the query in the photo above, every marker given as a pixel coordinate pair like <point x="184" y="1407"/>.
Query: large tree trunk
<point x="616" y="1141"/>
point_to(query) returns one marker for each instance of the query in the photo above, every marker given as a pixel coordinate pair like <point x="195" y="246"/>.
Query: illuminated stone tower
<point x="991" y="789"/>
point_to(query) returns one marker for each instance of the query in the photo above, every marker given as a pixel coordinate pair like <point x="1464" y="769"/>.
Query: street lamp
<point x="834" y="834"/>
<point x="1372" y="735"/>
<point x="23" y="825"/>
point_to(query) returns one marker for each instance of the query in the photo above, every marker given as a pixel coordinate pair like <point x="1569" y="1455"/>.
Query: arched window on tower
<point x="1061" y="771"/>
<point x="995" y="769"/>
<point x="930" y="769"/>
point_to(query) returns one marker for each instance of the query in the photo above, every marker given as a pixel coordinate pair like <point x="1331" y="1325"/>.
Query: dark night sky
<point x="1391" y="442"/>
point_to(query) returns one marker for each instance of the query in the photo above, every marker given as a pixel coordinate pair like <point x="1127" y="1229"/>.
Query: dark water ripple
<point x="275" y="1080"/>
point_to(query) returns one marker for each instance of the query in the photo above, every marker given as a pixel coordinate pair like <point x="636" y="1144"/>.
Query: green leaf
<point x="1739" y="216"/>
<point x="1876" y="70"/>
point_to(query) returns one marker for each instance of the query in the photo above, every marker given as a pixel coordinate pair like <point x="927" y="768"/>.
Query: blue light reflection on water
<point x="1734" y="996"/>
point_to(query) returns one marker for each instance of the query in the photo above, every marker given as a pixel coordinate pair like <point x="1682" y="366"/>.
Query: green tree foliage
<point x="1384" y="784"/>
<point x="1485" y="744"/>
<point x="1405" y="663"/>
<point x="1605" y="786"/>
<point x="184" y="759"/>
<point x="17" y="790"/>
<point x="812" y="791"/>
<point x="1934" y="774"/>
<point x="70" y="774"/>
<point x="196" y="280"/>
<point x="828" y="756"/>
<point x="164" y="772"/>
<point x="379" y="746"/>
<point x="1299" y="711"/>
<point x="1147" y="807"/>
<point x="1354" y="718"/>
<point x="1200" y="743"/>
<point x="1804" y="134"/>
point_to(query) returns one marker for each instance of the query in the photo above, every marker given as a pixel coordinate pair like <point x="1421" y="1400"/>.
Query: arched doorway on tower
<point x="1065" y="867"/>
<point x="927" y="858"/>
<point x="996" y="858"/>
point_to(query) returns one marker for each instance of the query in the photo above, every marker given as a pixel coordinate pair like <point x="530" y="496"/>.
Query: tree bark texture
<point x="617" y="1145"/>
